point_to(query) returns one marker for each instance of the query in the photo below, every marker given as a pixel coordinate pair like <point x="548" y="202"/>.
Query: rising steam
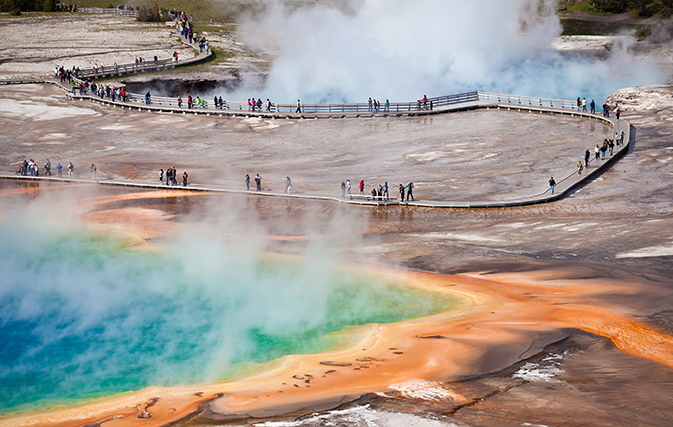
<point x="401" y="50"/>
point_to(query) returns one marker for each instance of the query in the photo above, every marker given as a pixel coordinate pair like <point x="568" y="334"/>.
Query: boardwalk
<point x="565" y="184"/>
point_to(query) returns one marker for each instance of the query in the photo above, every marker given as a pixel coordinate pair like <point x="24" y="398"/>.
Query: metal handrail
<point x="241" y="106"/>
<point x="107" y="11"/>
<point x="104" y="71"/>
<point x="527" y="100"/>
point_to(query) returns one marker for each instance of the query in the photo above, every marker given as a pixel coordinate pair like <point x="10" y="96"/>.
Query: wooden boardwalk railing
<point x="108" y="11"/>
<point x="106" y="71"/>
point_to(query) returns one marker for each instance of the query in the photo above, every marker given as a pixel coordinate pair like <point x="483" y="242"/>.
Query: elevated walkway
<point x="565" y="185"/>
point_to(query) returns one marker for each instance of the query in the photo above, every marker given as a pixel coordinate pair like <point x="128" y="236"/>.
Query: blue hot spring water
<point x="82" y="316"/>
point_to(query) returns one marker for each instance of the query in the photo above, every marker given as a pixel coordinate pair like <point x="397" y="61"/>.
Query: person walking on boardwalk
<point x="247" y="182"/>
<point x="579" y="102"/>
<point x="258" y="181"/>
<point x="184" y="178"/>
<point x="611" y="146"/>
<point x="597" y="150"/>
<point x="348" y="186"/>
<point x="288" y="185"/>
<point x="579" y="167"/>
<point x="362" y="188"/>
<point x="298" y="110"/>
<point x="410" y="188"/>
<point x="59" y="170"/>
<point x="552" y="184"/>
<point x="93" y="171"/>
<point x="401" y="191"/>
<point x="621" y="137"/>
<point x="161" y="176"/>
<point x="618" y="111"/>
<point x="343" y="189"/>
<point x="369" y="105"/>
<point x="587" y="154"/>
<point x="71" y="170"/>
<point x="584" y="104"/>
<point x="174" y="175"/>
<point x="593" y="107"/>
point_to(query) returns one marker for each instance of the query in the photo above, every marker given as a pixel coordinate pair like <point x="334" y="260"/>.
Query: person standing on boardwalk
<point x="584" y="104"/>
<point x="552" y="184"/>
<point x="25" y="167"/>
<point x="579" y="167"/>
<point x="579" y="102"/>
<point x="258" y="181"/>
<point x="362" y="188"/>
<point x="93" y="171"/>
<point x="161" y="176"/>
<point x="401" y="190"/>
<point x="597" y="150"/>
<point x="369" y="105"/>
<point x="247" y="182"/>
<point x="174" y="175"/>
<point x="71" y="170"/>
<point x="288" y="185"/>
<point x="410" y="188"/>
<point x="184" y="178"/>
<point x="59" y="170"/>
<point x="611" y="146"/>
<point x="386" y="194"/>
<point x="621" y="137"/>
<point x="587" y="154"/>
<point x="348" y="186"/>
<point x="593" y="107"/>
<point x="47" y="168"/>
<point x="618" y="111"/>
<point x="343" y="189"/>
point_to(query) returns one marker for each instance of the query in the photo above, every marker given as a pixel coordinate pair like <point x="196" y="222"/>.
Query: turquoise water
<point x="84" y="317"/>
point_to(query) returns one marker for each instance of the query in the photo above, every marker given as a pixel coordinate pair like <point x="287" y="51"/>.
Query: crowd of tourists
<point x="601" y="151"/>
<point x="582" y="106"/>
<point x="170" y="177"/>
<point x="100" y="90"/>
<point x="31" y="168"/>
<point x="374" y="106"/>
<point x="378" y="192"/>
<point x="66" y="75"/>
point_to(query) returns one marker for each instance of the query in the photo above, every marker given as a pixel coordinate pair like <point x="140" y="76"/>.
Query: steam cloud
<point x="401" y="50"/>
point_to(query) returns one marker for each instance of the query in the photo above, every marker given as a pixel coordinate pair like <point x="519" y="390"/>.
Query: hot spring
<point x="85" y="316"/>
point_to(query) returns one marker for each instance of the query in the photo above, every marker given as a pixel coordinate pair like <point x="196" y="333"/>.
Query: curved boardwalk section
<point x="439" y="105"/>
